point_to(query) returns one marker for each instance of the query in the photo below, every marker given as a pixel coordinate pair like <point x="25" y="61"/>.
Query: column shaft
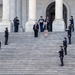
<point x="58" y="24"/>
<point x="59" y="9"/>
<point x="32" y="16"/>
<point x="13" y="9"/>
<point x="19" y="11"/>
<point x="32" y="9"/>
<point x="6" y="8"/>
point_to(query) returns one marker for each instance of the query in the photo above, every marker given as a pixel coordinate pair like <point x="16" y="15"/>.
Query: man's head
<point x="6" y="28"/>
<point x="65" y="38"/>
<point x="61" y="47"/>
<point x="16" y="17"/>
<point x="41" y="16"/>
<point x="47" y="17"/>
<point x="71" y="16"/>
<point x="36" y="23"/>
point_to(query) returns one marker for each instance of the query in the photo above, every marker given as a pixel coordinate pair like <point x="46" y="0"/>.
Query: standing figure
<point x="72" y="23"/>
<point x="61" y="55"/>
<point x="65" y="45"/>
<point x="36" y="28"/>
<point x="6" y="36"/>
<point x="0" y="44"/>
<point x="69" y="35"/>
<point x="41" y="22"/>
<point x="48" y="23"/>
<point x="16" y="24"/>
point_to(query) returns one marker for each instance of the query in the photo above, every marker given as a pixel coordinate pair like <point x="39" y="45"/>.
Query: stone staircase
<point x="26" y="55"/>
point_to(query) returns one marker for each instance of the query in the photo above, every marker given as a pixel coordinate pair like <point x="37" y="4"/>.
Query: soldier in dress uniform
<point x="6" y="36"/>
<point x="65" y="45"/>
<point x="61" y="55"/>
<point x="0" y="44"/>
<point x="69" y="35"/>
<point x="72" y="23"/>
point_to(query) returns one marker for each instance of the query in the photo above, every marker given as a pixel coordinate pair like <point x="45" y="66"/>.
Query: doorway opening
<point x="50" y="12"/>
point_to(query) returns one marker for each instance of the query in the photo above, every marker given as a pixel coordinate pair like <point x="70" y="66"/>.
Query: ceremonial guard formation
<point x="44" y="26"/>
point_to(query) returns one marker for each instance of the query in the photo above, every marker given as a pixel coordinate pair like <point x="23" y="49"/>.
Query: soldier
<point x="0" y="44"/>
<point x="72" y="23"/>
<point x="61" y="55"/>
<point x="65" y="45"/>
<point x="6" y="36"/>
<point x="69" y="35"/>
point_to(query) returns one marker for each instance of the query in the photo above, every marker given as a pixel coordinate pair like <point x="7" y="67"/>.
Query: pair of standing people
<point x="16" y="24"/>
<point x="41" y="23"/>
<point x="63" y="50"/>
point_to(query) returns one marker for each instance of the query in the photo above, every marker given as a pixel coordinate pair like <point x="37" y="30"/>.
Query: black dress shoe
<point x="6" y="44"/>
<point x="61" y="65"/>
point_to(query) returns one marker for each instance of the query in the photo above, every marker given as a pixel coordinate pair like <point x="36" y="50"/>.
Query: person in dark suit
<point x="69" y="35"/>
<point x="65" y="45"/>
<point x="16" y="24"/>
<point x="36" y="28"/>
<point x="72" y="23"/>
<point x="6" y="36"/>
<point x="41" y="23"/>
<point x="48" y="23"/>
<point x="61" y="55"/>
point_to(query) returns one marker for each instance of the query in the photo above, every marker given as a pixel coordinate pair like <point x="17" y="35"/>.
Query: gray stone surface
<point x="26" y="55"/>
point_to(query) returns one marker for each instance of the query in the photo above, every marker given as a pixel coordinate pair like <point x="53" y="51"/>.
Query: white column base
<point x="58" y="26"/>
<point x="29" y="26"/>
<point x="3" y="25"/>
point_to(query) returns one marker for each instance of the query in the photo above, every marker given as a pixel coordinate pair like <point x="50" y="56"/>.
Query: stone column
<point x="32" y="16"/>
<point x="6" y="16"/>
<point x="6" y="10"/>
<point x="19" y="13"/>
<point x="12" y="13"/>
<point x="58" y="24"/>
<point x="24" y="14"/>
<point x="13" y="9"/>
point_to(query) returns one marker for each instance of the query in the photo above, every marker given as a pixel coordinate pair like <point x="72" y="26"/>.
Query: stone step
<point x="26" y="55"/>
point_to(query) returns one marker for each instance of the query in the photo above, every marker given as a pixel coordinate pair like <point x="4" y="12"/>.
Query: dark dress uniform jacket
<point x="65" y="43"/>
<point x="6" y="34"/>
<point x="61" y="53"/>
<point x="69" y="33"/>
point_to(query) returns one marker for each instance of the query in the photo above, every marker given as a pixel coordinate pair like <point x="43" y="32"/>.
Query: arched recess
<point x="50" y="12"/>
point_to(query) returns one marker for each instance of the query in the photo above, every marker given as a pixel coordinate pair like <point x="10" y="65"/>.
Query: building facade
<point x="29" y="11"/>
